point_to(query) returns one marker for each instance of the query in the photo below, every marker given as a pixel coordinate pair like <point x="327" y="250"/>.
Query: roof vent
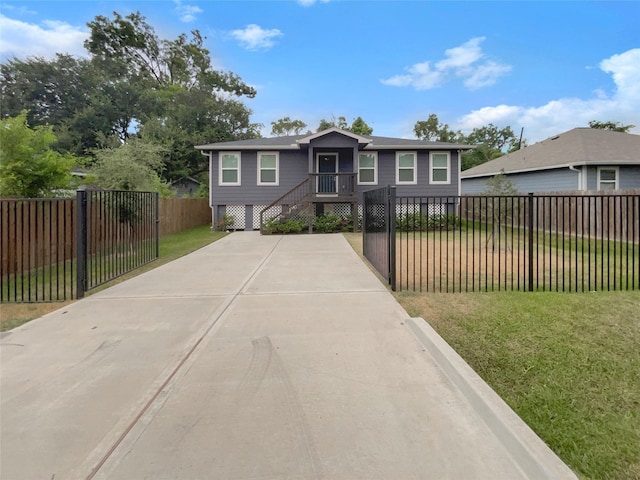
<point x="555" y="138"/>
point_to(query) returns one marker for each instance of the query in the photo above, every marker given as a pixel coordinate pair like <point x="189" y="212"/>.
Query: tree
<point x="178" y="100"/>
<point x="339" y="122"/>
<point x="135" y="165"/>
<point x="490" y="142"/>
<point x="612" y="126"/>
<point x="434" y="131"/>
<point x="285" y="126"/>
<point x="360" y="127"/>
<point x="28" y="166"/>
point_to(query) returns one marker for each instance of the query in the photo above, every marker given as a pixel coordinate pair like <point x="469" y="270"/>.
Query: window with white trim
<point x="368" y="168"/>
<point x="607" y="178"/>
<point x="406" y="169"/>
<point x="229" y="163"/>
<point x="439" y="168"/>
<point x="268" y="168"/>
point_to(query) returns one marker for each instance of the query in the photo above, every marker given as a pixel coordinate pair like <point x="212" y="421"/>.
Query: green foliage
<point x="500" y="184"/>
<point x="331" y="223"/>
<point x="612" y="126"/>
<point x="416" y="222"/>
<point x="286" y="126"/>
<point x="28" y="166"/>
<point x="489" y="141"/>
<point x="225" y="224"/>
<point x="435" y="131"/>
<point x="360" y="127"/>
<point x="289" y="225"/>
<point x="135" y="165"/>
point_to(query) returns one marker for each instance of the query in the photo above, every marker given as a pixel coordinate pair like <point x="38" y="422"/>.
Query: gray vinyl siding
<point x="555" y="180"/>
<point x="387" y="176"/>
<point x="629" y="177"/>
<point x="293" y="170"/>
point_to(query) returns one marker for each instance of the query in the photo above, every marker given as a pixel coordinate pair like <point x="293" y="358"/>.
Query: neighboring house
<point x="333" y="167"/>
<point x="185" y="186"/>
<point x="580" y="159"/>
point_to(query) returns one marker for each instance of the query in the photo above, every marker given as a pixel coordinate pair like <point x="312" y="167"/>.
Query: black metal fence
<point x="572" y="243"/>
<point x="379" y="231"/>
<point x="57" y="249"/>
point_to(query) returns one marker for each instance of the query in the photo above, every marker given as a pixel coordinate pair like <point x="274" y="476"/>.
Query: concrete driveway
<point x="257" y="357"/>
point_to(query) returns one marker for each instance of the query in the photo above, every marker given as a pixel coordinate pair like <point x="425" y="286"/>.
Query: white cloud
<point x="187" y="13"/>
<point x="22" y="39"/>
<point x="557" y="116"/>
<point x="254" y="37"/>
<point x="464" y="61"/>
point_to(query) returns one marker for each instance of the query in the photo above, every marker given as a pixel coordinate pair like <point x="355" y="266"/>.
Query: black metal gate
<point x="379" y="231"/>
<point x="57" y="249"/>
<point x="117" y="233"/>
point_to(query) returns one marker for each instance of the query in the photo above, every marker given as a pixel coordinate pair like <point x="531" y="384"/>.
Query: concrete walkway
<point x="253" y="358"/>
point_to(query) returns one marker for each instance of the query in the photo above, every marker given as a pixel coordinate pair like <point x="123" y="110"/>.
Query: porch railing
<point x="333" y="184"/>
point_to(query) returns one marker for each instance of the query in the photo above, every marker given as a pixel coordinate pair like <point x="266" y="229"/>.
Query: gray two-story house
<point x="329" y="169"/>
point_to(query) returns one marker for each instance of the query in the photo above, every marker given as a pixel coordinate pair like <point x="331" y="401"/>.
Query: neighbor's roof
<point x="294" y="142"/>
<point x="580" y="146"/>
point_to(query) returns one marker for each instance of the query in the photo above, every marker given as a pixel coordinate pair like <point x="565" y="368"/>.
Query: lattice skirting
<point x="256" y="216"/>
<point x="427" y="209"/>
<point x="238" y="212"/>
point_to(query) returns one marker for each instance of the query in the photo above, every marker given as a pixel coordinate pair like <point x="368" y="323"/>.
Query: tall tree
<point x="178" y="100"/>
<point x="28" y="166"/>
<point x="360" y="127"/>
<point x="285" y="126"/>
<point x="434" y="131"/>
<point x="612" y="126"/>
<point x="490" y="142"/>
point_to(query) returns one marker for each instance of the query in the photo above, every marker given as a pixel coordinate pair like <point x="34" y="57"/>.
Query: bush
<point x="289" y="225"/>
<point x="416" y="222"/>
<point x="331" y="223"/>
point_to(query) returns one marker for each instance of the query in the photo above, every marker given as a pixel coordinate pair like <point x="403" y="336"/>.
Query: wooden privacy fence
<point x="38" y="240"/>
<point x="177" y="214"/>
<point x="592" y="214"/>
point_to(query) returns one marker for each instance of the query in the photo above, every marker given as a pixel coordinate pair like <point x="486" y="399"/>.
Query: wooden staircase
<point x="296" y="203"/>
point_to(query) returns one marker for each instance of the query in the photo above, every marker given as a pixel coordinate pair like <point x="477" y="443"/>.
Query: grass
<point x="566" y="363"/>
<point x="171" y="247"/>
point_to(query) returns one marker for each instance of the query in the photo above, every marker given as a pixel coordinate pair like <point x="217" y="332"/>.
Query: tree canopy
<point x="359" y="126"/>
<point x="612" y="126"/>
<point x="135" y="84"/>
<point x="28" y="166"/>
<point x="285" y="126"/>
<point x="490" y="141"/>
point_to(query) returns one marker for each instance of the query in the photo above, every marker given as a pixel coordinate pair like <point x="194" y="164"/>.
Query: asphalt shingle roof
<point x="580" y="146"/>
<point x="292" y="143"/>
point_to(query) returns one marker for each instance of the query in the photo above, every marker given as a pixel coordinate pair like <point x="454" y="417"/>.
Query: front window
<point x="368" y="168"/>
<point x="607" y="178"/>
<point x="440" y="168"/>
<point x="406" y="168"/>
<point x="268" y="172"/>
<point x="229" y="168"/>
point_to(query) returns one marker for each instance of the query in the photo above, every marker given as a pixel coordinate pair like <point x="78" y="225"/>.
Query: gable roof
<point x="577" y="147"/>
<point x="297" y="142"/>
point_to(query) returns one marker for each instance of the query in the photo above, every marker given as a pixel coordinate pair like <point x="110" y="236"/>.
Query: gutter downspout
<point x="210" y="155"/>
<point x="580" y="176"/>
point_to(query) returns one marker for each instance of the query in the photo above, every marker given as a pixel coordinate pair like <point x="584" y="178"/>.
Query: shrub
<point x="289" y="225"/>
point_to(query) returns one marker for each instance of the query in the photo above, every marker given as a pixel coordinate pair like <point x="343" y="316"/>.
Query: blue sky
<point x="546" y="66"/>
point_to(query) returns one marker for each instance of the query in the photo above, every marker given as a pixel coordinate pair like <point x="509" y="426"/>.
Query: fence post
<point x="391" y="219"/>
<point x="157" y="232"/>
<point x="81" y="243"/>
<point x="530" y="242"/>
